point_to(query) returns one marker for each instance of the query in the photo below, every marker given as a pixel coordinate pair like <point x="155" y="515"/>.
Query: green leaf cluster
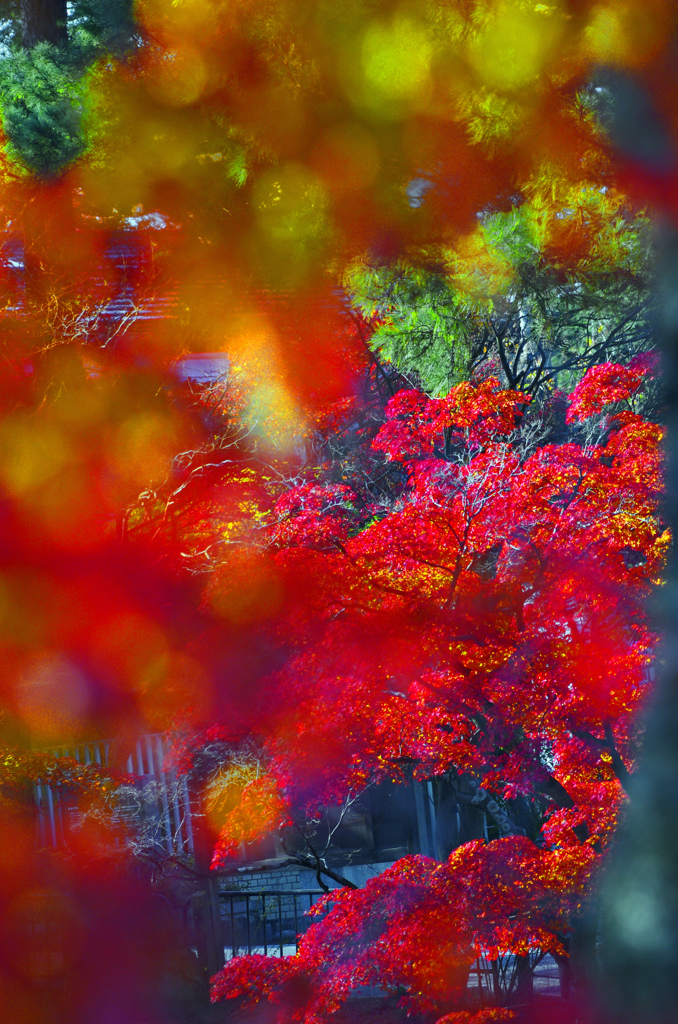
<point x="43" y="92"/>
<point x="498" y="300"/>
<point x="424" y="327"/>
<point x="42" y="109"/>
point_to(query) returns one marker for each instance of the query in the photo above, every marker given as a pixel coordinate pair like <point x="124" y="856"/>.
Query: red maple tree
<point x="487" y="631"/>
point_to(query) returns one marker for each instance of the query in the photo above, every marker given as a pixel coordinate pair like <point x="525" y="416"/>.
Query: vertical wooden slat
<point x="263" y="917"/>
<point x="50" y="811"/>
<point x="187" y="816"/>
<point x="280" y="924"/>
<point x="162" y="777"/>
<point x="152" y="768"/>
<point x="40" y="817"/>
<point x="179" y="841"/>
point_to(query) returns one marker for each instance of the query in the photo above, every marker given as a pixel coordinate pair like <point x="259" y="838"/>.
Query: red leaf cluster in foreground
<point x="417" y="928"/>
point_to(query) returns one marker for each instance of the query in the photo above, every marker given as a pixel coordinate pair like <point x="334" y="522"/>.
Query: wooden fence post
<point x="206" y="907"/>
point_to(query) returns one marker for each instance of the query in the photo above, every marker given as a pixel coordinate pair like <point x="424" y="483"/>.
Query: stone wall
<point x="270" y="876"/>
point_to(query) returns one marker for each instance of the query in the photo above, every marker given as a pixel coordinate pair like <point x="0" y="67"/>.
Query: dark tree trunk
<point x="639" y="958"/>
<point x="43" y="21"/>
<point x="456" y="822"/>
<point x="640" y="898"/>
<point x="524" y="985"/>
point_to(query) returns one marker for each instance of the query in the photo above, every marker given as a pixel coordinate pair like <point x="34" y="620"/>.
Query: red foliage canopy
<point x="488" y="629"/>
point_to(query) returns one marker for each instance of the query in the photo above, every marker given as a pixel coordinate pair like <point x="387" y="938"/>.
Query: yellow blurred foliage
<point x="141" y="449"/>
<point x="246" y="589"/>
<point x="625" y="33"/>
<point x="512" y="49"/>
<point x="178" y="77"/>
<point x="396" y="62"/>
<point x="477" y="268"/>
<point x="32" y="451"/>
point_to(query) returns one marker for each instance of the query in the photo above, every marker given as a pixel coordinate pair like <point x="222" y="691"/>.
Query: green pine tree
<point x="500" y="304"/>
<point x="43" y="85"/>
